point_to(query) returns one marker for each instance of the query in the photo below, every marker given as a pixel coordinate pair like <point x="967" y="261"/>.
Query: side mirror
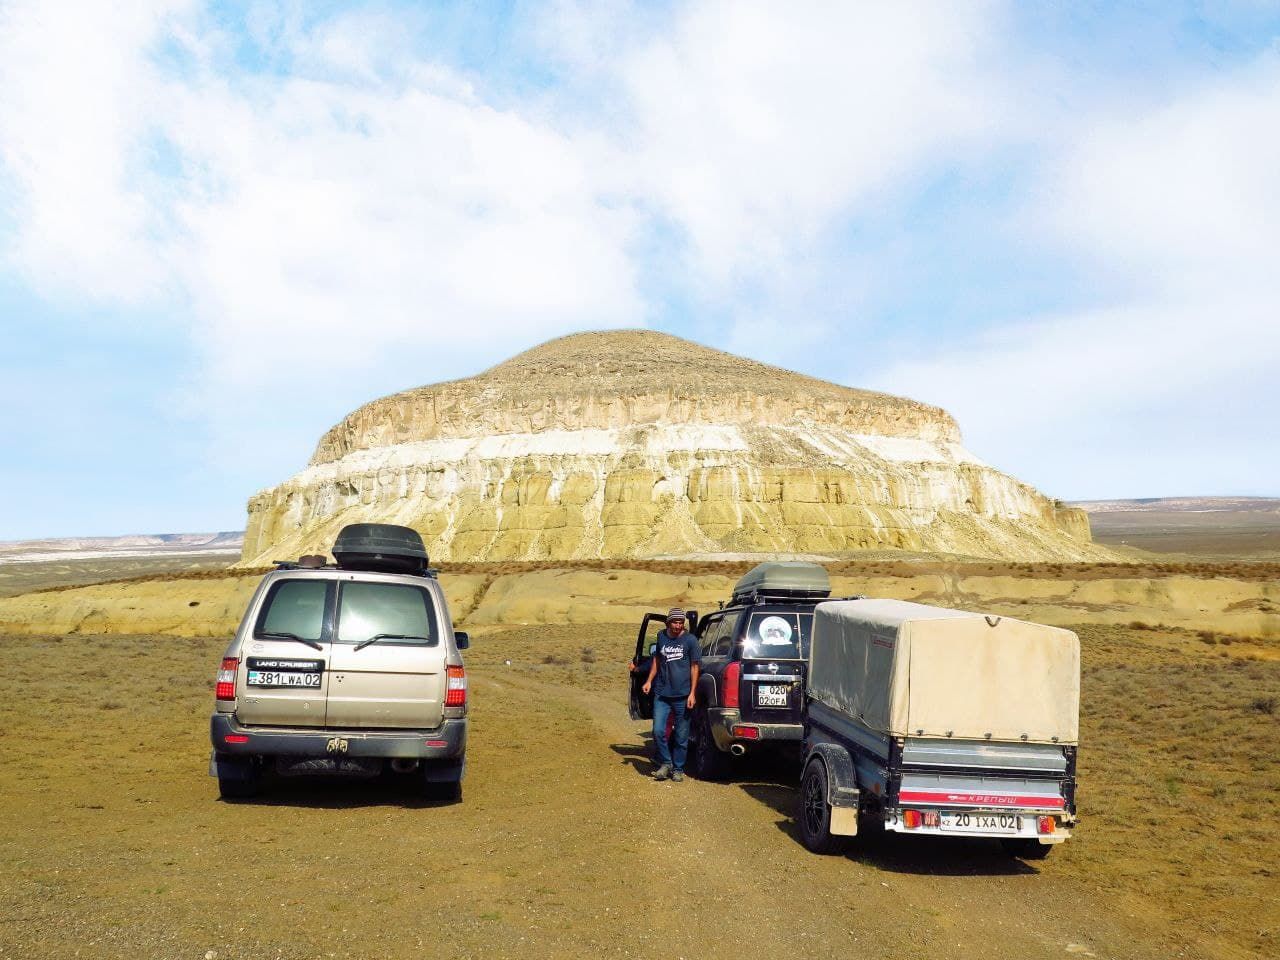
<point x="653" y="648"/>
<point x="462" y="639"/>
<point x="692" y="618"/>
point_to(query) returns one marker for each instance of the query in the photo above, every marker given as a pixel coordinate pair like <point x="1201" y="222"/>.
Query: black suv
<point x="751" y="688"/>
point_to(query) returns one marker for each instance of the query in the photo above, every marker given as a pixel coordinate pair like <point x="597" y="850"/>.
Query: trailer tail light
<point x="732" y="677"/>
<point x="746" y="732"/>
<point x="911" y="819"/>
<point x="1046" y="824"/>
<point x="456" y="691"/>
<point x="226" y="687"/>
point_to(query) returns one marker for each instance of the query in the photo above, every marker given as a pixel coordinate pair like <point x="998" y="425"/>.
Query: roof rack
<point x="430" y="572"/>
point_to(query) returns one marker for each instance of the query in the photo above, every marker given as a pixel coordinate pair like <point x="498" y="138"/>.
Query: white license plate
<point x="982" y="822"/>
<point x="772" y="694"/>
<point x="283" y="678"/>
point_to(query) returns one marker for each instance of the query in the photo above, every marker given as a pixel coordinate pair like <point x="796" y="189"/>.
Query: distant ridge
<point x="1180" y="504"/>
<point x="227" y="542"/>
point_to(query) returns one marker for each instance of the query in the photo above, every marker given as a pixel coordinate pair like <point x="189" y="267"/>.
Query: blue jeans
<point x="664" y="707"/>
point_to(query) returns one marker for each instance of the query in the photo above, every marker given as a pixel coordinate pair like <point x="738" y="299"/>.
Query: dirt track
<point x="116" y="846"/>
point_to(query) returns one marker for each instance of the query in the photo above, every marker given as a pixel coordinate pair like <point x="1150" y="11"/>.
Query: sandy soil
<point x="562" y="846"/>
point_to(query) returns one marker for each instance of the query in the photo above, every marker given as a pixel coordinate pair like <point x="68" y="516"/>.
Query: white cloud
<point x="1174" y="213"/>
<point x="758" y="124"/>
<point x="310" y="222"/>
<point x="360" y="203"/>
<point x="75" y="102"/>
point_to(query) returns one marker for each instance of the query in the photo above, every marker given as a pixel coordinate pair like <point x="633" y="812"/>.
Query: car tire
<point x="1025" y="848"/>
<point x="814" y="815"/>
<point x="706" y="760"/>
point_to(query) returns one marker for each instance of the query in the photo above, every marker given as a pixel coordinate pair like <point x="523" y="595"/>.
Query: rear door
<point x="774" y="645"/>
<point x="283" y="674"/>
<point x="387" y="666"/>
<point x="640" y="704"/>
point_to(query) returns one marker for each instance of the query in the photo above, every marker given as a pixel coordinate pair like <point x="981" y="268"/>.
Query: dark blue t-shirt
<point x="674" y="659"/>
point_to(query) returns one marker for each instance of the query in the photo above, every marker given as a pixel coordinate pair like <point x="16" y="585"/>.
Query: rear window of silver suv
<point x="394" y="612"/>
<point x="294" y="607"/>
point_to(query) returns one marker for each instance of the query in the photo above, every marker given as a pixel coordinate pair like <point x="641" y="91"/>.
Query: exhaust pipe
<point x="401" y="765"/>
<point x="737" y="749"/>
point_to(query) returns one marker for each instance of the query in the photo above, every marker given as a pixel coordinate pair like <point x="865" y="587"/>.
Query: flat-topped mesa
<point x="625" y="379"/>
<point x="639" y="444"/>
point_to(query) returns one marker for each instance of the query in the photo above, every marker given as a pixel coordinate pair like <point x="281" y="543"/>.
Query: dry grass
<point x="1180" y="781"/>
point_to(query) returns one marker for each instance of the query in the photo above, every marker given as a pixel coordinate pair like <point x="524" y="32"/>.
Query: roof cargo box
<point x="380" y="546"/>
<point x="795" y="579"/>
<point x="911" y="670"/>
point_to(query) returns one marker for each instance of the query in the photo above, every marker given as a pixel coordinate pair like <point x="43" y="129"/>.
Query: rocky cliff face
<point x="638" y="444"/>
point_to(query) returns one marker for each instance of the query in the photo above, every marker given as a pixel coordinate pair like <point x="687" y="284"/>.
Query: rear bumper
<point x="446" y="742"/>
<point x="723" y="720"/>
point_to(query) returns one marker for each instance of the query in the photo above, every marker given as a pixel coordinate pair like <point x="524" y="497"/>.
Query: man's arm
<point x="653" y="671"/>
<point x="694" y="669"/>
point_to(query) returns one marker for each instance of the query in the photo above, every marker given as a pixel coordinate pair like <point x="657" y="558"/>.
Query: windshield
<point x="395" y="613"/>
<point x="778" y="636"/>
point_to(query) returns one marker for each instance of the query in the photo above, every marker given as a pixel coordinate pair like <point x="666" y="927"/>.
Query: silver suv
<point x="349" y="670"/>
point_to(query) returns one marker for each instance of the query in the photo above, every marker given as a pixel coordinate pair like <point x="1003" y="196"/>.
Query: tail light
<point x="1046" y="824"/>
<point x="911" y="819"/>
<point x="226" y="688"/>
<point x="732" y="676"/>
<point x="456" y="691"/>
<point x="745" y="731"/>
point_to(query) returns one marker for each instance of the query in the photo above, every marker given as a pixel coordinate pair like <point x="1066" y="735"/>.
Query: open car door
<point x="640" y="703"/>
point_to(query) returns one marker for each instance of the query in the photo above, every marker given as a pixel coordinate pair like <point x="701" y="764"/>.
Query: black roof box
<point x="384" y="547"/>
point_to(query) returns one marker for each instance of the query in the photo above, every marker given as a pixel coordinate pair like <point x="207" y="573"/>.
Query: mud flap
<point x="842" y="788"/>
<point x="226" y="767"/>
<point x="450" y="771"/>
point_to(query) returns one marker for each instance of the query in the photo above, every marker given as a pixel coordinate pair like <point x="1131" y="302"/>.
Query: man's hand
<point x="693" y="700"/>
<point x="647" y="686"/>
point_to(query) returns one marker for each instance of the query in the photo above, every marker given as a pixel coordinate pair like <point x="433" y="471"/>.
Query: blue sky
<point x="223" y="226"/>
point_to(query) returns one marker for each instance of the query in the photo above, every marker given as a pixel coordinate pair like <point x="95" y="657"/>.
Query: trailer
<point x="929" y="721"/>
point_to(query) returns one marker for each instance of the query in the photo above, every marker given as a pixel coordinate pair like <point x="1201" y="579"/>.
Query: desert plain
<point x="562" y="846"/>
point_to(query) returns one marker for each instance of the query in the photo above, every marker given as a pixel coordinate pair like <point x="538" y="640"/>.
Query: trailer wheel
<point x="1025" y="849"/>
<point x="815" y="812"/>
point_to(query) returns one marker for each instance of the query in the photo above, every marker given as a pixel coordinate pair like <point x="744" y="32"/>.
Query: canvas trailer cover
<point x="910" y="670"/>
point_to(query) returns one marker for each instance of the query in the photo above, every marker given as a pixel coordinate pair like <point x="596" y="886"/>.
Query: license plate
<point x="982" y="822"/>
<point x="772" y="694"/>
<point x="283" y="678"/>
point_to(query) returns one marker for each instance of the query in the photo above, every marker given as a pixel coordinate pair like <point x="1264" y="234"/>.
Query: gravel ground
<point x="116" y="846"/>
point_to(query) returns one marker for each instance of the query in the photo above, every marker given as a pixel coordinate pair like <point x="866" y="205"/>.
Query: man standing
<point x="675" y="666"/>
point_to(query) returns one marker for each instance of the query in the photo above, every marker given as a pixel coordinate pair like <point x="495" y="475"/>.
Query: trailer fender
<point x="842" y="786"/>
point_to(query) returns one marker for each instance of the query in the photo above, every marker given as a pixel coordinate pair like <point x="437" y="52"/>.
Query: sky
<point x="225" y="226"/>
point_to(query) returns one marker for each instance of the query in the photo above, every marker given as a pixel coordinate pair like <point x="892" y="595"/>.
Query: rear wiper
<point x="290" y="636"/>
<point x="389" y="636"/>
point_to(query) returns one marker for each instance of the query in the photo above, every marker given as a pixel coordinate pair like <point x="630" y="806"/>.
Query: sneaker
<point x="677" y="775"/>
<point x="663" y="772"/>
